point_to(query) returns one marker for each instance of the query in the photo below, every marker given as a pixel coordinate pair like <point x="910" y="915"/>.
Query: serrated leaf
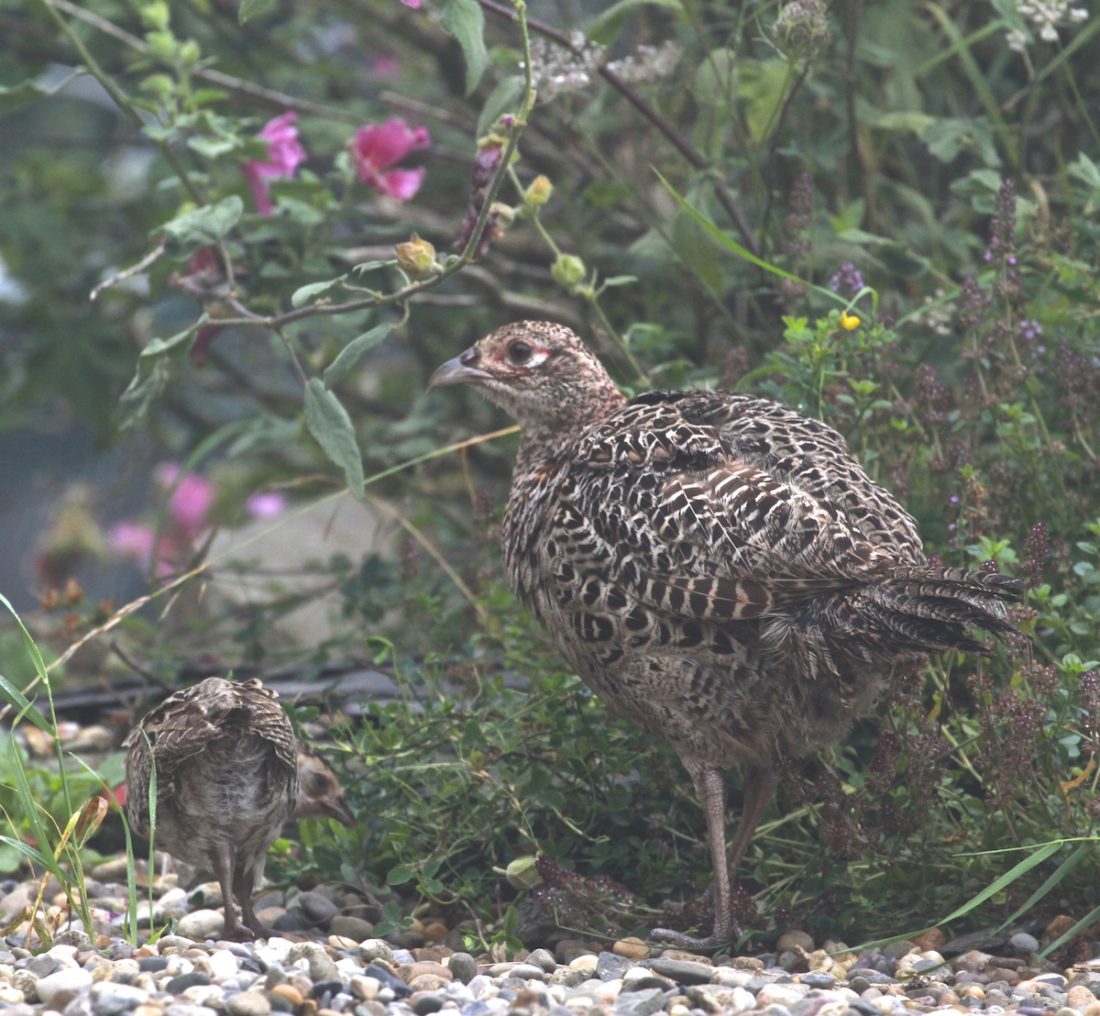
<point x="350" y="355"/>
<point x="14" y="96"/>
<point x="202" y="227"/>
<point x="1085" y="170"/>
<point x="303" y="294"/>
<point x="465" y="21"/>
<point x="329" y="423"/>
<point x="253" y="9"/>
<point x="605" y="27"/>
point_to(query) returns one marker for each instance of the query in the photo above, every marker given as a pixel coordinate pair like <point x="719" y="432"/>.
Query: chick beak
<point x="337" y="808"/>
<point x="459" y="371"/>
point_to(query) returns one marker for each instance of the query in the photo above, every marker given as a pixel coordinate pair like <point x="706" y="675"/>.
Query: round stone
<point x="542" y="958"/>
<point x="631" y="948"/>
<point x="200" y="925"/>
<point x="109" y="999"/>
<point x="376" y="949"/>
<point x="58" y="989"/>
<point x="464" y="968"/>
<point x="248" y="1003"/>
<point x="682" y="971"/>
<point x="317" y="907"/>
<point x="354" y="928"/>
<point x="793" y="940"/>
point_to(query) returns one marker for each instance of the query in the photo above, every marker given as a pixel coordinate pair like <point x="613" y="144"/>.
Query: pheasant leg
<point x="224" y="863"/>
<point x="244" y="885"/>
<point x="710" y="788"/>
<point x="759" y="785"/>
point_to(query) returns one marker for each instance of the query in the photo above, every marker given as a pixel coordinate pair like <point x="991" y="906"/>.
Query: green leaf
<point x="400" y="874"/>
<point x="733" y="246"/>
<point x="156" y="367"/>
<point x="349" y="356"/>
<point x="1084" y="169"/>
<point x="604" y="28"/>
<point x="466" y="22"/>
<point x="1016" y="871"/>
<point x="252" y="9"/>
<point x="716" y="79"/>
<point x="303" y="294"/>
<point x="202" y="227"/>
<point x="330" y="424"/>
<point x="212" y="148"/>
<point x="17" y="700"/>
<point x="14" y="96"/>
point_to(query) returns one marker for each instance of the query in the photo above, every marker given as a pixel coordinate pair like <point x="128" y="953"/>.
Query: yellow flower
<point x="849" y="321"/>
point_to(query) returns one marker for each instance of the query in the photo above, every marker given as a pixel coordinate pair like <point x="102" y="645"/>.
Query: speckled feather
<point x="717" y="567"/>
<point x="216" y="743"/>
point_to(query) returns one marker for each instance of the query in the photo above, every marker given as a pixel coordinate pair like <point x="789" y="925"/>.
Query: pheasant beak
<point x="459" y="371"/>
<point x="336" y="808"/>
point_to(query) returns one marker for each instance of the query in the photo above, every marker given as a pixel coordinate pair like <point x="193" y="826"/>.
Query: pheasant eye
<point x="519" y="352"/>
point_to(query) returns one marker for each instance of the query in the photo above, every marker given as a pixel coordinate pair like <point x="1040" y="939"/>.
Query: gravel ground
<point x="329" y="962"/>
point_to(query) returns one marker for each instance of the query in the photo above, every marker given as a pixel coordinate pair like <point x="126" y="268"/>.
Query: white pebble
<point x="57" y="989"/>
<point x="223" y="964"/>
<point x="202" y="924"/>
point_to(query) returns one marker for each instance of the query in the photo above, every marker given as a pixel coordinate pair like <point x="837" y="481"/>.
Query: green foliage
<point x="883" y="215"/>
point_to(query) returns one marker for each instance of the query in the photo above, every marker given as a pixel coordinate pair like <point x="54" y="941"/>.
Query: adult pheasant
<point x="229" y="773"/>
<point x="716" y="567"/>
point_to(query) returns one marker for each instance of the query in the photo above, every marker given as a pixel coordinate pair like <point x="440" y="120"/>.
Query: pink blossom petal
<point x="414" y="4"/>
<point x="402" y="183"/>
<point x="385" y="66"/>
<point x="284" y="151"/>
<point x="166" y="474"/>
<point x="260" y="195"/>
<point x="284" y="155"/>
<point x="131" y="539"/>
<point x="265" y="505"/>
<point x="190" y="504"/>
<point x="381" y="145"/>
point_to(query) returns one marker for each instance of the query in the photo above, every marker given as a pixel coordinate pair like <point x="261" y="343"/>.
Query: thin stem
<point x="120" y="98"/>
<point x="693" y="157"/>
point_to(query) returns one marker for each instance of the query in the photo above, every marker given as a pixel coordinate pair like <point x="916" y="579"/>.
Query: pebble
<point x="341" y="968"/>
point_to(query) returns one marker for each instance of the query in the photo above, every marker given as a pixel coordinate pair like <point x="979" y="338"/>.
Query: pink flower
<point x="265" y="505"/>
<point x="141" y="545"/>
<point x="284" y="155"/>
<point x="132" y="539"/>
<point x="378" y="146"/>
<point x="386" y="66"/>
<point x="190" y="501"/>
<point x="414" y="4"/>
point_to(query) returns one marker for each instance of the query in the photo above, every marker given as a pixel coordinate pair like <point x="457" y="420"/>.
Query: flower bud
<point x="502" y="214"/>
<point x="416" y="256"/>
<point x="802" y="28"/>
<point x="486" y="163"/>
<point x="155" y="15"/>
<point x="539" y="191"/>
<point x="567" y="270"/>
<point x="523" y="873"/>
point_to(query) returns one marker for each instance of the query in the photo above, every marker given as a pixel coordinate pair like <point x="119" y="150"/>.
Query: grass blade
<point x="1010" y="876"/>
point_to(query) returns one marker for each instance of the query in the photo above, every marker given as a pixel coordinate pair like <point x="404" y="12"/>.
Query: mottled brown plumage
<point x="717" y="567"/>
<point x="227" y="777"/>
